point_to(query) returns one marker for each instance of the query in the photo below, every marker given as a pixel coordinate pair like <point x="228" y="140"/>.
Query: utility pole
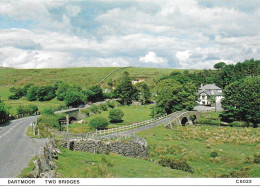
<point x="67" y="134"/>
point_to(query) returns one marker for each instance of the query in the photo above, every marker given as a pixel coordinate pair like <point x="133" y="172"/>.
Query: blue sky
<point x="193" y="34"/>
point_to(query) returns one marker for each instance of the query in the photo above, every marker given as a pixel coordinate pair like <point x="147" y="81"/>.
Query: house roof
<point x="210" y="87"/>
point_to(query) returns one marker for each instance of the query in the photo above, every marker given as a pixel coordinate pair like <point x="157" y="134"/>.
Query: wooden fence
<point x="128" y="127"/>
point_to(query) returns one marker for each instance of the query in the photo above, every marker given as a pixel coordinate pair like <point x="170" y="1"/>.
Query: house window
<point x="203" y="97"/>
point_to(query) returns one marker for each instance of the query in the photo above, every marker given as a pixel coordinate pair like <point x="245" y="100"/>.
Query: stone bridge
<point x="74" y="114"/>
<point x="186" y="118"/>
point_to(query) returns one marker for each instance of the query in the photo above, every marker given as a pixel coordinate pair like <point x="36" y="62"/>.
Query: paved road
<point x="132" y="131"/>
<point x="16" y="149"/>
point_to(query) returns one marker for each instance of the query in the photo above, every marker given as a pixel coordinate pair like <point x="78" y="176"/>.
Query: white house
<point x="206" y="91"/>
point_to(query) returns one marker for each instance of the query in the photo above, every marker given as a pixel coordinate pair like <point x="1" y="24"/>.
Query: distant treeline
<point x="223" y="75"/>
<point x="73" y="95"/>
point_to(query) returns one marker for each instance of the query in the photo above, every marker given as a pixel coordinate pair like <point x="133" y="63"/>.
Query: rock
<point x="48" y="174"/>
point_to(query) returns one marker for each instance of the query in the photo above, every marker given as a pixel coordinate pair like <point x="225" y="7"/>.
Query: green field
<point x="81" y="164"/>
<point x="132" y="114"/>
<point x="85" y="77"/>
<point x="195" y="144"/>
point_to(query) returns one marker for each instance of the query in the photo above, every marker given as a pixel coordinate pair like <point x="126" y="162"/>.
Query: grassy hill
<point x="83" y="76"/>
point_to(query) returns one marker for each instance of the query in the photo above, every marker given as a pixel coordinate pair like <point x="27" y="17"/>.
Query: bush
<point x="48" y="111"/>
<point x="238" y="124"/>
<point x="29" y="109"/>
<point x="86" y="112"/>
<point x="51" y="120"/>
<point x="257" y="159"/>
<point x="94" y="109"/>
<point x="209" y="122"/>
<point x="74" y="98"/>
<point x="103" y="107"/>
<point x="115" y="115"/>
<point x="111" y="104"/>
<point x="174" y="163"/>
<point x="98" y="123"/>
<point x="214" y="154"/>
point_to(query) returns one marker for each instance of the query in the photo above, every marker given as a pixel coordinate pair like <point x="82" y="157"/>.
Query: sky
<point x="183" y="34"/>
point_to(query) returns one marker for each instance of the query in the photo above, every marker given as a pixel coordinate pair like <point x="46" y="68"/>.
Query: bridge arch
<point x="184" y="121"/>
<point x="72" y="119"/>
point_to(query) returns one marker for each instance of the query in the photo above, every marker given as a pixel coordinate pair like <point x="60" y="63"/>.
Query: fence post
<point x="67" y="134"/>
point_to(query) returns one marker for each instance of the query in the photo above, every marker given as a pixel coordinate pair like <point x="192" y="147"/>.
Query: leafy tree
<point x="61" y="91"/>
<point x="173" y="96"/>
<point x="125" y="90"/>
<point x="90" y="95"/>
<point x="74" y="98"/>
<point x="46" y="93"/>
<point x="219" y="65"/>
<point x="27" y="109"/>
<point x="26" y="88"/>
<point x="3" y="110"/>
<point x="32" y="93"/>
<point x="116" y="115"/>
<point x="98" y="123"/>
<point x="242" y="101"/>
<point x="98" y="93"/>
<point x="17" y="93"/>
<point x="48" y="111"/>
<point x="144" y="93"/>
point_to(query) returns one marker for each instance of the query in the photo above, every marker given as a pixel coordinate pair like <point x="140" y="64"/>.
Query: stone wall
<point x="135" y="147"/>
<point x="44" y="167"/>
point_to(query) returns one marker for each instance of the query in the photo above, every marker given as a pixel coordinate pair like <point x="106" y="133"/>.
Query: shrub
<point x="236" y="174"/>
<point x="29" y="109"/>
<point x="111" y="104"/>
<point x="214" y="154"/>
<point x="103" y="106"/>
<point x="48" y="111"/>
<point x="115" y="115"/>
<point x="98" y="123"/>
<point x="94" y="109"/>
<point x="174" y="163"/>
<point x="86" y="112"/>
<point x="257" y="159"/>
<point x="51" y="120"/>
<point x="238" y="124"/>
<point x="209" y="122"/>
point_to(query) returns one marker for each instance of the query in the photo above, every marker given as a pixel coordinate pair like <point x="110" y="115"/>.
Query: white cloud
<point x="73" y="11"/>
<point x="183" y="55"/>
<point x="151" y="57"/>
<point x="185" y="34"/>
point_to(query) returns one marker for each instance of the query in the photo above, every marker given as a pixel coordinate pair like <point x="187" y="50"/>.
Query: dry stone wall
<point x="136" y="147"/>
<point x="44" y="167"/>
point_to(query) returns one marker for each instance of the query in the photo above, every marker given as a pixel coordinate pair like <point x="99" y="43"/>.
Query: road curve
<point x="16" y="149"/>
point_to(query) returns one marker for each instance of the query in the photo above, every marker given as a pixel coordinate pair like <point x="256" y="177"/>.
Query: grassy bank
<point x="132" y="114"/>
<point x="81" y="164"/>
<point x="211" y="151"/>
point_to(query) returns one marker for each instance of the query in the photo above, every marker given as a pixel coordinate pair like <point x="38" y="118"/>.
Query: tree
<point x="74" y="98"/>
<point x="219" y="65"/>
<point x="48" y="111"/>
<point x="3" y="111"/>
<point x="98" y="93"/>
<point x="115" y="115"/>
<point x="173" y="96"/>
<point x="98" y="123"/>
<point x="17" y="93"/>
<point x="125" y="90"/>
<point x="90" y="95"/>
<point x="61" y="91"/>
<point x="32" y="93"/>
<point x="46" y="93"/>
<point x="242" y="101"/>
<point x="144" y="93"/>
